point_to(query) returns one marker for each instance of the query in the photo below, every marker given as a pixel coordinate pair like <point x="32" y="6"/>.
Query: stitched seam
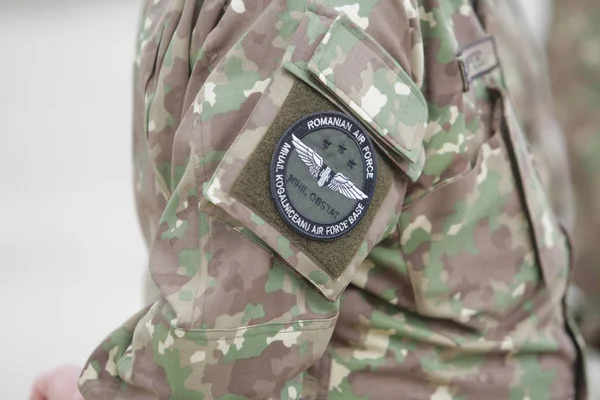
<point x="268" y="324"/>
<point x="246" y="335"/>
<point x="254" y="327"/>
<point x="209" y="56"/>
<point x="200" y="194"/>
<point x="216" y="49"/>
<point x="208" y="233"/>
<point x="324" y="373"/>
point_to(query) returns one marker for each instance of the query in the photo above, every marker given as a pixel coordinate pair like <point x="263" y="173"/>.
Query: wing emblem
<point x="318" y="170"/>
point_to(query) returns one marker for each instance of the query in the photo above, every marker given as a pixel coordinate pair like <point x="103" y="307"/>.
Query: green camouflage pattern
<point x="457" y="289"/>
<point x="574" y="62"/>
<point x="571" y="64"/>
<point x="217" y="192"/>
<point x="525" y="67"/>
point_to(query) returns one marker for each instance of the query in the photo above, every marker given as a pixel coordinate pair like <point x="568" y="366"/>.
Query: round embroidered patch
<point x="323" y="175"/>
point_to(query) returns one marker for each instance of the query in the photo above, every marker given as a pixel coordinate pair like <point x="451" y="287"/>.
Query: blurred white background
<point x="71" y="254"/>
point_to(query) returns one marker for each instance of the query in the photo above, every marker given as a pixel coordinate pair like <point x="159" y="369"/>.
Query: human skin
<point x="57" y="384"/>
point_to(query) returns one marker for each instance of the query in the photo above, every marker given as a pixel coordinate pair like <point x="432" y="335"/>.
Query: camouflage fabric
<point x="574" y="62"/>
<point x="456" y="289"/>
<point x="525" y="67"/>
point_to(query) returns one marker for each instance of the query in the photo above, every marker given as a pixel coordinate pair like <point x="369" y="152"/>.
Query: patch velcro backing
<point x="252" y="186"/>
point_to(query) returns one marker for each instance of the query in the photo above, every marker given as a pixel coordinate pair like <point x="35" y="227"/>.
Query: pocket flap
<point x="361" y="74"/>
<point x="241" y="190"/>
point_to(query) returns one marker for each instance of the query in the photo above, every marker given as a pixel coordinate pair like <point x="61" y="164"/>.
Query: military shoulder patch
<point x="323" y="175"/>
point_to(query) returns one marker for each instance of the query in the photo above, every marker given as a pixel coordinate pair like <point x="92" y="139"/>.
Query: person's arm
<point x="233" y="321"/>
<point x="247" y="304"/>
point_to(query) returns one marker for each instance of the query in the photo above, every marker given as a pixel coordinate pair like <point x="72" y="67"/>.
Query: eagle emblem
<point x="337" y="182"/>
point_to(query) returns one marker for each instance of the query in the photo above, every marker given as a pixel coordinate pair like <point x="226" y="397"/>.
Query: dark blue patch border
<point x="300" y="129"/>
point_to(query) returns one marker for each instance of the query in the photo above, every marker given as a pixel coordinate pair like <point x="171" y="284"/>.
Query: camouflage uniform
<point x="452" y="285"/>
<point x="575" y="59"/>
<point x="527" y="64"/>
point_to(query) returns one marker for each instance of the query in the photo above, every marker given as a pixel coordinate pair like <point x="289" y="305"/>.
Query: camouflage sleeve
<point x="233" y="320"/>
<point x="247" y="304"/>
<point x="525" y="66"/>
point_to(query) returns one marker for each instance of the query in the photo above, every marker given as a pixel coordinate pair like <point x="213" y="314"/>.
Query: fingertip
<point x="36" y="395"/>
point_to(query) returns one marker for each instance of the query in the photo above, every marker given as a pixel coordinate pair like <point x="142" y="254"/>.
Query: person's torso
<point x="575" y="59"/>
<point x="463" y="298"/>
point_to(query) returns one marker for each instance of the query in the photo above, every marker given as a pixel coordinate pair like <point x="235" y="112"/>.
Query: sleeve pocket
<point x="330" y="65"/>
<point x="365" y="80"/>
